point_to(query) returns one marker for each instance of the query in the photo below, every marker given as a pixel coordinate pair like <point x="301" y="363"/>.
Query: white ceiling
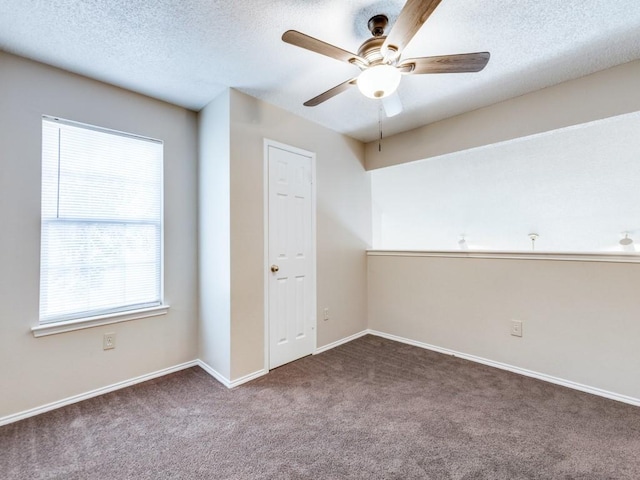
<point x="188" y="51"/>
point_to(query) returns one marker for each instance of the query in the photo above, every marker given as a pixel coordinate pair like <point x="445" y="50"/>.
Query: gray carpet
<point x="370" y="409"/>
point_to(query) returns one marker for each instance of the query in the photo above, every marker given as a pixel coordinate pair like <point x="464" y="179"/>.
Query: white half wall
<point x="580" y="319"/>
<point x="41" y="371"/>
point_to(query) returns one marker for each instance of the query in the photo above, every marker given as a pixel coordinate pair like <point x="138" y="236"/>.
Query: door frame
<point x="314" y="305"/>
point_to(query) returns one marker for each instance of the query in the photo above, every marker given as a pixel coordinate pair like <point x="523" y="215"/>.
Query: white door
<point x="291" y="255"/>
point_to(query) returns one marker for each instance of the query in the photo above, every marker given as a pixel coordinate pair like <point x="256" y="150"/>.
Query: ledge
<point x="555" y="256"/>
<point x="89" y="322"/>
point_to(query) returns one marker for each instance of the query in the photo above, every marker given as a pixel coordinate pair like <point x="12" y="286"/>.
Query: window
<point x="101" y="235"/>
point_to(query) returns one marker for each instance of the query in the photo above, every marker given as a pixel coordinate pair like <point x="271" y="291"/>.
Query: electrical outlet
<point x="516" y="328"/>
<point x="108" y="341"/>
<point x="326" y="313"/>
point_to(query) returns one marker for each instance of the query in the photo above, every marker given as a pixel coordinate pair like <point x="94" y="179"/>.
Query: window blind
<point x="101" y="232"/>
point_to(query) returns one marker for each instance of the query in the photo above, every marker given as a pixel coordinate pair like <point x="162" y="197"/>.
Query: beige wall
<point x="580" y="319"/>
<point x="37" y="371"/>
<point x="603" y="94"/>
<point x="343" y="226"/>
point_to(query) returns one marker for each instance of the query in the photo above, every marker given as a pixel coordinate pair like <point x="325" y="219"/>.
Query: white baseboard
<point x="94" y="393"/>
<point x="230" y="383"/>
<point x="128" y="383"/>
<point x="342" y="341"/>
<point x="218" y="376"/>
<point x="247" y="378"/>
<point x="522" y="371"/>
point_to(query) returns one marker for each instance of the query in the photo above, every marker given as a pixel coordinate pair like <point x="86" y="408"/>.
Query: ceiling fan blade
<point x="392" y="105"/>
<point x="411" y="18"/>
<point x="332" y="92"/>
<point x="464" y="62"/>
<point x="310" y="43"/>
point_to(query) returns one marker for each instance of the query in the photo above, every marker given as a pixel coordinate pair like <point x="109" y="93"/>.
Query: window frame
<point x="81" y="320"/>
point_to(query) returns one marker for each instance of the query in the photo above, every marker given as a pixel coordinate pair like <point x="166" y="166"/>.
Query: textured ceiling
<point x="188" y="51"/>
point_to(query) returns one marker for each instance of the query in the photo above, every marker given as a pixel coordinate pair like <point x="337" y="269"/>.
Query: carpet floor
<point x="369" y="409"/>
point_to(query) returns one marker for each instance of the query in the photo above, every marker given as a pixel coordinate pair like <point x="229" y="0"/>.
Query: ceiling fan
<point x="379" y="57"/>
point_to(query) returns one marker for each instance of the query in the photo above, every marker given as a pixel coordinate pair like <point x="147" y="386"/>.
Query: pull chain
<point x="380" y="127"/>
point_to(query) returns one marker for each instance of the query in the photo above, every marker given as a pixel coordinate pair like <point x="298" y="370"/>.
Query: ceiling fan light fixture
<point x="379" y="81"/>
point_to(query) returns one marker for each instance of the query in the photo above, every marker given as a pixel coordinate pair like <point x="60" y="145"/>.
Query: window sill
<point x="89" y="322"/>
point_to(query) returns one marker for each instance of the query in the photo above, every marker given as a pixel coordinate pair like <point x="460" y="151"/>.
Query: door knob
<point x="275" y="268"/>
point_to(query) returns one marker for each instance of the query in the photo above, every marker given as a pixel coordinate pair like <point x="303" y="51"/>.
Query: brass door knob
<point x="275" y="268"/>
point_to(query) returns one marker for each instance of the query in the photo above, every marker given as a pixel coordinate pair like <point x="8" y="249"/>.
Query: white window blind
<point x="101" y="236"/>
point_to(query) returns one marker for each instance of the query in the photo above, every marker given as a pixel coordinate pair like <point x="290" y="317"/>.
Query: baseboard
<point x="94" y="393"/>
<point x="252" y="376"/>
<point x="230" y="383"/>
<point x="247" y="378"/>
<point x="522" y="371"/>
<point x="342" y="341"/>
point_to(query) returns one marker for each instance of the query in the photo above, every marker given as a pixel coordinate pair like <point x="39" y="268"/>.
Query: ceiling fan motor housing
<point x="370" y="50"/>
